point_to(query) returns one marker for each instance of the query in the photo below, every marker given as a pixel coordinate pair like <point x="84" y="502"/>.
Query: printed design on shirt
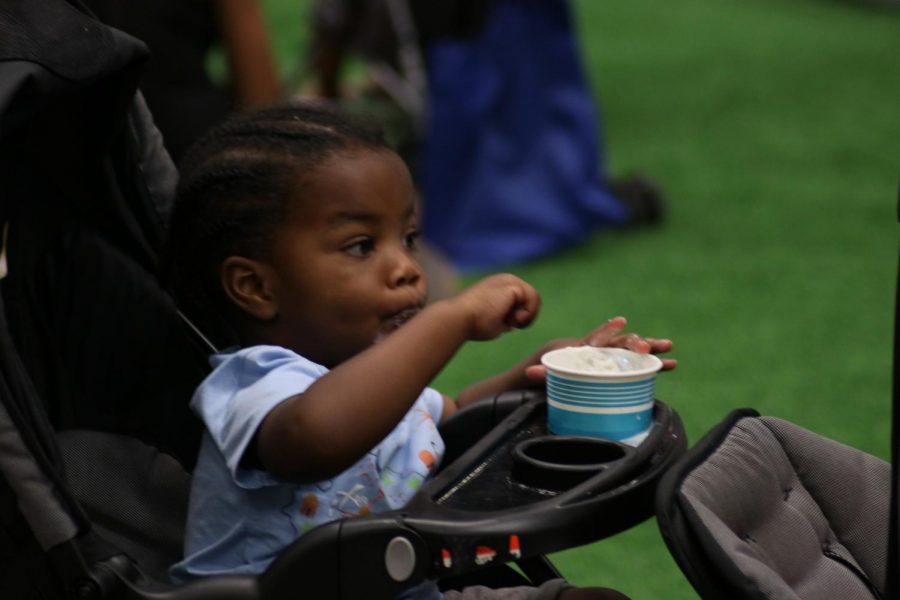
<point x="427" y="458"/>
<point x="393" y="486"/>
<point x="423" y="417"/>
<point x="416" y="471"/>
<point x="309" y="504"/>
<point x="406" y="469"/>
<point x="305" y="509"/>
<point x="389" y="478"/>
<point x="414" y="481"/>
<point x="360" y="498"/>
<point x="352" y="502"/>
<point x="307" y="527"/>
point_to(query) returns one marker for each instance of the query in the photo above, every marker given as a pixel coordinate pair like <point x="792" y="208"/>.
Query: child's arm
<point x="529" y="373"/>
<point x="343" y="415"/>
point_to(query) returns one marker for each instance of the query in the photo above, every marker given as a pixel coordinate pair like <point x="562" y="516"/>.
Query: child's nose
<point x="406" y="270"/>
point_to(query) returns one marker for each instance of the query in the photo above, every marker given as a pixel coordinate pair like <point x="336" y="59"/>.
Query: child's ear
<point x="249" y="285"/>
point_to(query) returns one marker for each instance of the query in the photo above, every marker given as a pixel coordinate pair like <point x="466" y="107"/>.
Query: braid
<point x="237" y="184"/>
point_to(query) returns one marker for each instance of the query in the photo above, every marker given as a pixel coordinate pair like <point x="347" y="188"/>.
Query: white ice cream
<point x="600" y="361"/>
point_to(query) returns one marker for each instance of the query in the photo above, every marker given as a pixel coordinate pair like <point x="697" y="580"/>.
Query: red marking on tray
<point x="484" y="555"/>
<point x="515" y="549"/>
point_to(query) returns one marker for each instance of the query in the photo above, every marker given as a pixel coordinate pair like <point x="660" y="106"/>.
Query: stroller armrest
<point x="383" y="555"/>
<point x="471" y="423"/>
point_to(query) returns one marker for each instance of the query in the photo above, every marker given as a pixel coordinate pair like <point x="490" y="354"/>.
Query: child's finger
<point x="526" y="309"/>
<point x="636" y="343"/>
<point x="522" y="317"/>
<point x="669" y="363"/>
<point x="659" y="345"/>
<point x="536" y="372"/>
<point x="601" y="336"/>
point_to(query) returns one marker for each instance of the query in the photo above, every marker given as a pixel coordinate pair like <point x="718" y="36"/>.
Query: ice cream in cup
<point x="600" y="392"/>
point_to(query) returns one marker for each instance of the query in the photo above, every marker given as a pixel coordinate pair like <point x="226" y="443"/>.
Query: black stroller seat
<point x="97" y="367"/>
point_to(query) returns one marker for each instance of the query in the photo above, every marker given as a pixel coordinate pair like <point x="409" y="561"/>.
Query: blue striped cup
<point x="600" y="392"/>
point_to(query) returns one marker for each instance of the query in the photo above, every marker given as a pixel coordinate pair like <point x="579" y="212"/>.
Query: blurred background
<point x="772" y="128"/>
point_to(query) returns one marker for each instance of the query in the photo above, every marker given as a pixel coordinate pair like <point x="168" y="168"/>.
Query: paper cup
<point x="600" y="392"/>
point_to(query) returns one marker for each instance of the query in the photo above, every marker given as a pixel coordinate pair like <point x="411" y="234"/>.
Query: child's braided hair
<point x="237" y="183"/>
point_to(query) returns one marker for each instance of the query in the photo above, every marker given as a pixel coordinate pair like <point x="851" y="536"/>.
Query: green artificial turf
<point x="774" y="128"/>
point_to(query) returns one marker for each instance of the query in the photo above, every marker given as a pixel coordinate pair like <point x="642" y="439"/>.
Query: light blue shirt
<point x="240" y="519"/>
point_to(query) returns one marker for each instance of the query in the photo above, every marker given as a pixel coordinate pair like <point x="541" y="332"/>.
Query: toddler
<point x="297" y="227"/>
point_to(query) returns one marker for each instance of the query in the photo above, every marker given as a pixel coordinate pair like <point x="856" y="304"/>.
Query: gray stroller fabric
<point x="135" y="496"/>
<point x="799" y="515"/>
<point x="36" y="494"/>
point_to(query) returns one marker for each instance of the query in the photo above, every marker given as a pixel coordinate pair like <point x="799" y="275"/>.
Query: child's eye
<point x="411" y="240"/>
<point x="360" y="248"/>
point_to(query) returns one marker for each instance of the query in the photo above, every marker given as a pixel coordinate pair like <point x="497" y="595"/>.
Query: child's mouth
<point x="397" y="320"/>
<point x="392" y="323"/>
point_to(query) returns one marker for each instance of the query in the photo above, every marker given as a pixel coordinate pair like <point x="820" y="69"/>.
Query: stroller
<point x="97" y="366"/>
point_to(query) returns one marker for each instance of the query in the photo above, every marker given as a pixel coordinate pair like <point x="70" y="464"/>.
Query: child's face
<point x="345" y="262"/>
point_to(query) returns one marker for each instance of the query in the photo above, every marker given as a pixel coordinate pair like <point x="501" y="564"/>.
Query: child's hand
<point x="497" y="304"/>
<point x="607" y="335"/>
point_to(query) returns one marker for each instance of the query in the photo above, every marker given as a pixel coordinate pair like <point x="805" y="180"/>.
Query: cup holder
<point x="557" y="463"/>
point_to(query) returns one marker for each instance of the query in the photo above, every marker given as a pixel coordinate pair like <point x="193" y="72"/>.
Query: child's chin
<point x="385" y="333"/>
